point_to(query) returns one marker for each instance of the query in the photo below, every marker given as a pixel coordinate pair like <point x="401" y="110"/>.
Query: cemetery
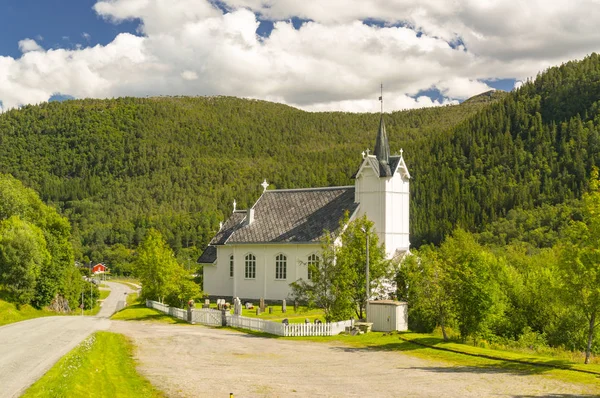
<point x="223" y="313"/>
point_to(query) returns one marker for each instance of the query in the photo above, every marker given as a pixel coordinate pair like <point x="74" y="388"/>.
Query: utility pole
<point x="367" y="286"/>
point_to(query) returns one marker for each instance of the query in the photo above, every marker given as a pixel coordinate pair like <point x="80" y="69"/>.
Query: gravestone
<point x="237" y="306"/>
<point x="295" y="305"/>
<point x="270" y="310"/>
<point x="262" y="305"/>
<point x="257" y="310"/>
<point x="206" y="304"/>
<point x="283" y="307"/>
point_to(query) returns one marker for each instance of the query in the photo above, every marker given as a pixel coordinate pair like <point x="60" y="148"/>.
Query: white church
<point x="258" y="252"/>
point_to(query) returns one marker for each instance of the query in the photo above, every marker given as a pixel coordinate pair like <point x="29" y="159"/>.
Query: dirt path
<point x="195" y="361"/>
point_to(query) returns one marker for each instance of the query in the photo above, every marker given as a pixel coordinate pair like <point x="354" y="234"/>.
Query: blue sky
<point x="318" y="55"/>
<point x="55" y="24"/>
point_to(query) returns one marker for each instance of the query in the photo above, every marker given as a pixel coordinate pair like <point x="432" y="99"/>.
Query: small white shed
<point x="387" y="315"/>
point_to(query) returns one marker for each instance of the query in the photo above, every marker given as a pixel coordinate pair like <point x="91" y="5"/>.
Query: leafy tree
<point x="182" y="288"/>
<point x="155" y="266"/>
<point x="24" y="203"/>
<point x="338" y="281"/>
<point x="426" y="286"/>
<point x="162" y="277"/>
<point x="580" y="261"/>
<point x="23" y="255"/>
<point x="119" y="259"/>
<point x="471" y="276"/>
<point x="352" y="257"/>
<point x="328" y="287"/>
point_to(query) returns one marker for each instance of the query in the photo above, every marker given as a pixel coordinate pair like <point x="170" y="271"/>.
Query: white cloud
<point x="27" y="45"/>
<point x="462" y="88"/>
<point x="189" y="75"/>
<point x="518" y="84"/>
<point x="86" y="36"/>
<point x="334" y="62"/>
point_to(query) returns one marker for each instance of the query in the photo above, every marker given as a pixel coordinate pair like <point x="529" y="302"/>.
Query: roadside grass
<point x="101" y="366"/>
<point x="10" y="314"/>
<point x="139" y="312"/>
<point x="132" y="298"/>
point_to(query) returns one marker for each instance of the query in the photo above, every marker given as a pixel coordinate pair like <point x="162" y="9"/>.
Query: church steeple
<point x="382" y="146"/>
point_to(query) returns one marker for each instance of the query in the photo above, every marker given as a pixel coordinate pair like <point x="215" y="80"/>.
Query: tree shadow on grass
<point x="555" y="396"/>
<point x="430" y="346"/>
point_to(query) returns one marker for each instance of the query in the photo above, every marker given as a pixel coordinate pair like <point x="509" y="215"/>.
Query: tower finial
<point x="381" y="98"/>
<point x="265" y="185"/>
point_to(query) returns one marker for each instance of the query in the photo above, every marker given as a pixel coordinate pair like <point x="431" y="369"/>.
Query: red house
<point x="99" y="269"/>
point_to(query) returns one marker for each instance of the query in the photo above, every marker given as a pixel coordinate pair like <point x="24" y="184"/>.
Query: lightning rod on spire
<point x="381" y="98"/>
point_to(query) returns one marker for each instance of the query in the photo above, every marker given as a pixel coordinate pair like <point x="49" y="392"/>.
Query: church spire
<point x="382" y="146"/>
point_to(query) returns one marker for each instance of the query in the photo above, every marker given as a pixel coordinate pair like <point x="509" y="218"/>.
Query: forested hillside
<point x="117" y="167"/>
<point x="536" y="146"/>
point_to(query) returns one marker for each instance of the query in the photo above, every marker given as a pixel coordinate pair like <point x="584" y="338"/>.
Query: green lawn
<point x="300" y="316"/>
<point x="10" y="314"/>
<point x="139" y="312"/>
<point x="427" y="346"/>
<point x="132" y="298"/>
<point x="101" y="366"/>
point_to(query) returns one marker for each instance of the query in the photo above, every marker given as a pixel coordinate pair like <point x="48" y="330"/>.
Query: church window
<point x="250" y="266"/>
<point x="313" y="261"/>
<point x="280" y="266"/>
<point x="231" y="266"/>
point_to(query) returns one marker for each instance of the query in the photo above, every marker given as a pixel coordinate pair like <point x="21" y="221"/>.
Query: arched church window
<point x="313" y="262"/>
<point x="250" y="267"/>
<point x="280" y="266"/>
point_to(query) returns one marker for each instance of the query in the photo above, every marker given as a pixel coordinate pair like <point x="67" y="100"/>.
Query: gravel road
<point x="196" y="361"/>
<point x="29" y="348"/>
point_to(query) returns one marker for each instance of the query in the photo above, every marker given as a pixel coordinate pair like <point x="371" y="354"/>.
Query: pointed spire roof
<point x="382" y="146"/>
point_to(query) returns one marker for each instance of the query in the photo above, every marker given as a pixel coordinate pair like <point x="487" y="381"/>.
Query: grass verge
<point x="139" y="312"/>
<point x="468" y="358"/>
<point x="10" y="314"/>
<point x="101" y="366"/>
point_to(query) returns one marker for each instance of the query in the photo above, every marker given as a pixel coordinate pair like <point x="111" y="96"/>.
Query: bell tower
<point x="382" y="192"/>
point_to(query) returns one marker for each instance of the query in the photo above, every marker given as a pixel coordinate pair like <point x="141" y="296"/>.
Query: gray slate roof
<point x="286" y="216"/>
<point x="233" y="223"/>
<point x="296" y="215"/>
<point x="209" y="255"/>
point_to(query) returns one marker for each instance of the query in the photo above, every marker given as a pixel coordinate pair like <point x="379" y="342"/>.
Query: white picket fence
<point x="213" y="317"/>
<point x="259" y="325"/>
<point x="207" y="316"/>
